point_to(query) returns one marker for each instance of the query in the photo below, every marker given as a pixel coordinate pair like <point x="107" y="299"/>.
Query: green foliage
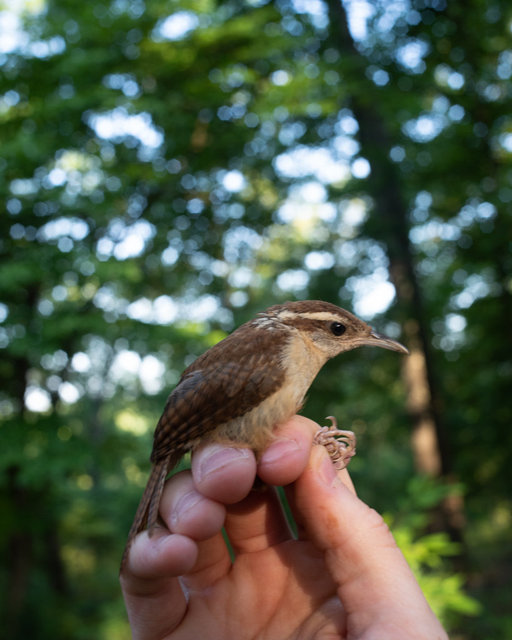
<point x="443" y="589"/>
<point x="157" y="190"/>
<point x="428" y="554"/>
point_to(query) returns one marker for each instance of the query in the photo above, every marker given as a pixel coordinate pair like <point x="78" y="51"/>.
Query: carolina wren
<point x="245" y="385"/>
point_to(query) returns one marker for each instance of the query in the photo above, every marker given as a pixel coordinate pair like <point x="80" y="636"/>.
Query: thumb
<point x="374" y="582"/>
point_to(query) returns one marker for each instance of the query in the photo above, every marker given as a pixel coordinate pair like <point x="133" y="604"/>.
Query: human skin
<point x="343" y="577"/>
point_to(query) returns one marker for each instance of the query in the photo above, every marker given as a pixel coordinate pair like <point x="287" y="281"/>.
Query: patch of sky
<point x="125" y="241"/>
<point x="176" y="27"/>
<point x="118" y="125"/>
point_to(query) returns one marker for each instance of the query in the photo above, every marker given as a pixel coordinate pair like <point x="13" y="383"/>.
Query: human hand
<point x="343" y="577"/>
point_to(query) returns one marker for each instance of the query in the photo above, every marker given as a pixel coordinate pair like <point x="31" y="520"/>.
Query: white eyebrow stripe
<point x="312" y="315"/>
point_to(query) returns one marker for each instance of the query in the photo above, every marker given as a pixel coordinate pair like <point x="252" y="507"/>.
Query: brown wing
<point x="225" y="382"/>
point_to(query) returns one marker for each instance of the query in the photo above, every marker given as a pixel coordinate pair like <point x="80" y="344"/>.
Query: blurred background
<point x="168" y="169"/>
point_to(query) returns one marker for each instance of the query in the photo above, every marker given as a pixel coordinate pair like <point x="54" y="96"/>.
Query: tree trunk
<point x="35" y="529"/>
<point x="389" y="223"/>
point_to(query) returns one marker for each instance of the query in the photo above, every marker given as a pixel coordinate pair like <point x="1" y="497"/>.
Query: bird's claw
<point x="340" y="444"/>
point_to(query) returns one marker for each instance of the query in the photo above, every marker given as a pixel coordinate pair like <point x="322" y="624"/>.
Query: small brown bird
<point x="245" y="385"/>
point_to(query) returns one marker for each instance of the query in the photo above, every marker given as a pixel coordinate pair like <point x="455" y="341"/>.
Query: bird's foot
<point x="340" y="444"/>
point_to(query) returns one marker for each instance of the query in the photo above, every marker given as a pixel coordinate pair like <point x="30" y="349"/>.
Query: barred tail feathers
<point x="147" y="511"/>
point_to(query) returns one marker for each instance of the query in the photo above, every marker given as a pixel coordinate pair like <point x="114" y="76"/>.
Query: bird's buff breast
<point x="255" y="428"/>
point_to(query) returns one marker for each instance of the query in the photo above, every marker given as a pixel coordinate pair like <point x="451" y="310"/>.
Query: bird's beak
<point x="378" y="340"/>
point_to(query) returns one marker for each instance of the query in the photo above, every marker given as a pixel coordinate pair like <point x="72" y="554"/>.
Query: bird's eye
<point x="338" y="329"/>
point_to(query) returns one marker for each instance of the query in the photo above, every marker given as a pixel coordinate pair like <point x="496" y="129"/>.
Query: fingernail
<point x="217" y="457"/>
<point x="279" y="449"/>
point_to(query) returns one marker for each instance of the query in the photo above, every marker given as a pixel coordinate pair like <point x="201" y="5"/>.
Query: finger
<point x="287" y="454"/>
<point x="223" y="473"/>
<point x="310" y="429"/>
<point x="254" y="518"/>
<point x="373" y="578"/>
<point x="213" y="563"/>
<point x="186" y="511"/>
<point x="257" y="522"/>
<point x="150" y="582"/>
<point x="344" y="476"/>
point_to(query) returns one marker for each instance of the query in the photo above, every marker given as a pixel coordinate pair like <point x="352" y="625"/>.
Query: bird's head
<point x="329" y="328"/>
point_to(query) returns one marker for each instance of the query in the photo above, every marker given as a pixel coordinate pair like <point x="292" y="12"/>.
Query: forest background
<point x="169" y="168"/>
